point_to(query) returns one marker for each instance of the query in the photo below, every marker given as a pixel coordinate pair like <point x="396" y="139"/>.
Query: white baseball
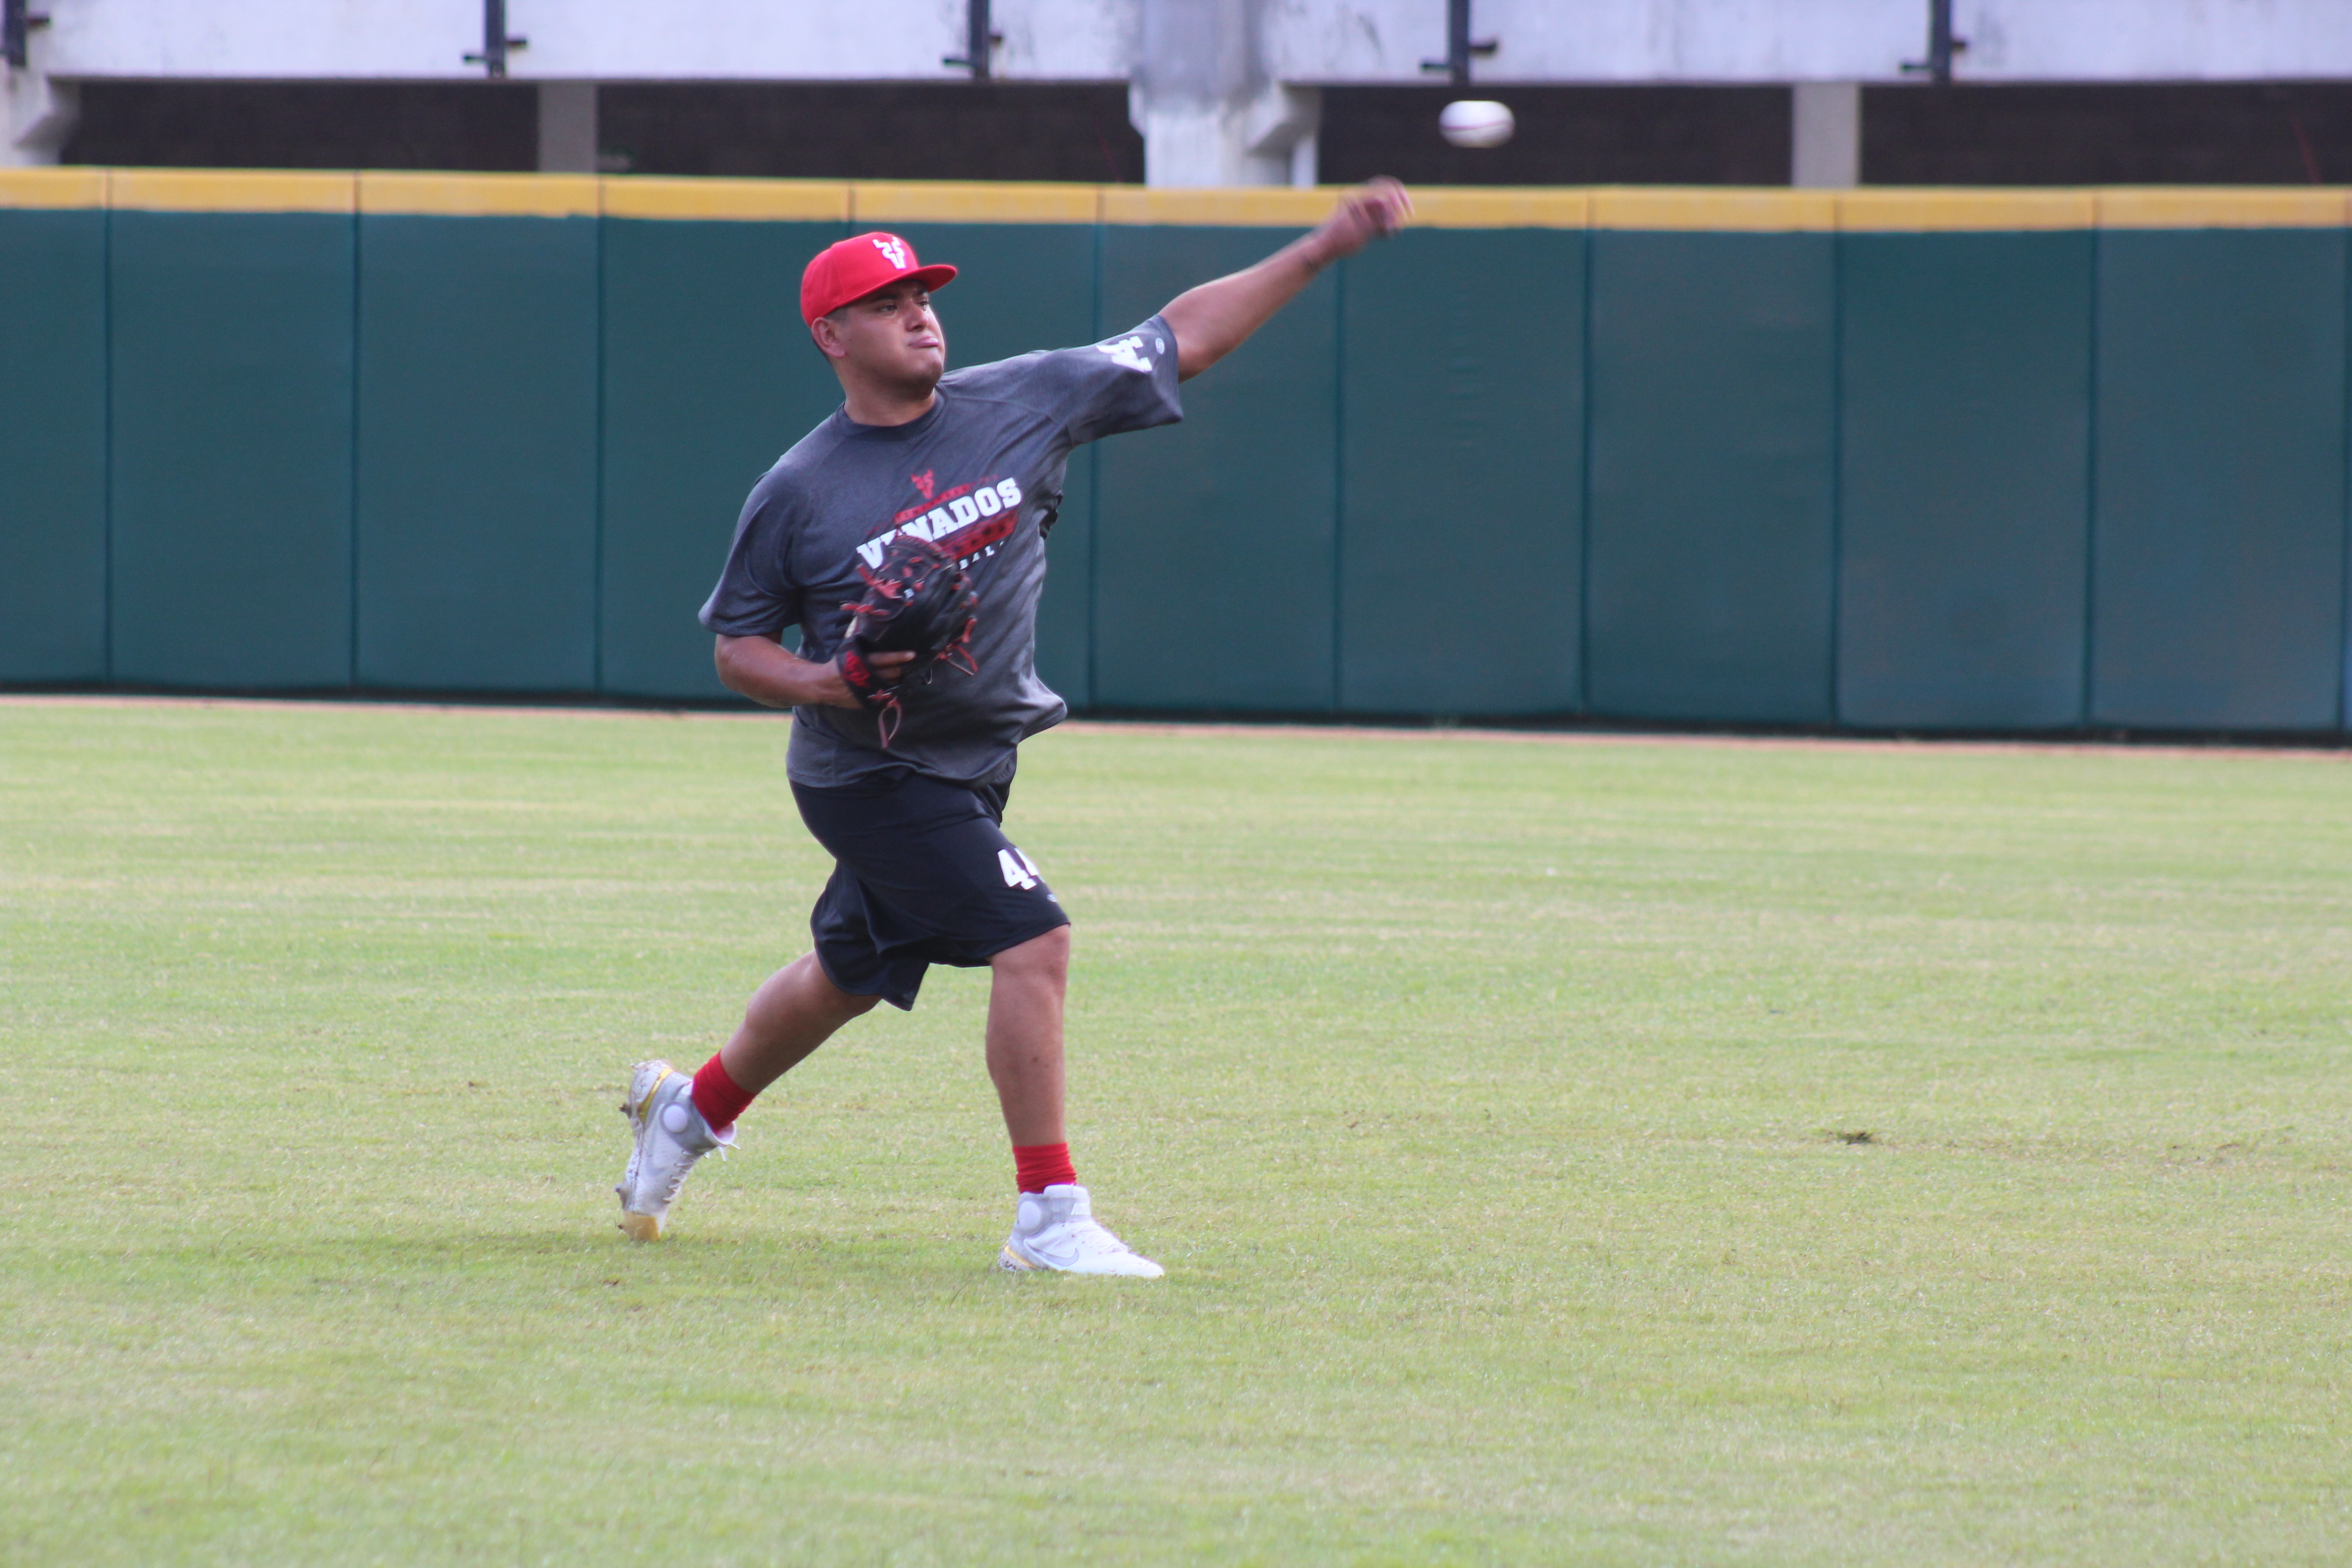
<point x="1477" y="122"/>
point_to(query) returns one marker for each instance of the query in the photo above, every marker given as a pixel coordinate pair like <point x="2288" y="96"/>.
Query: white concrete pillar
<point x="1825" y="135"/>
<point x="40" y="113"/>
<point x="1209" y="111"/>
<point x="1278" y="136"/>
<point x="567" y="128"/>
<point x="1306" y="154"/>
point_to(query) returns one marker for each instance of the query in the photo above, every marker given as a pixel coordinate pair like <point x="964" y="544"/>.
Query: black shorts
<point x="923" y="875"/>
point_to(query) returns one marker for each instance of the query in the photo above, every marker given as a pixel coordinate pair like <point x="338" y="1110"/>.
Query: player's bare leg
<point x="674" y="1118"/>
<point x="1025" y="1036"/>
<point x="1053" y="1226"/>
<point x="794" y="1012"/>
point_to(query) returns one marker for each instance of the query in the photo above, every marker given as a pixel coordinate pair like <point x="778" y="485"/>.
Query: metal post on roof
<point x="16" y="25"/>
<point x="1941" y="45"/>
<point x="980" y="40"/>
<point x="1459" y="48"/>
<point x="495" y="41"/>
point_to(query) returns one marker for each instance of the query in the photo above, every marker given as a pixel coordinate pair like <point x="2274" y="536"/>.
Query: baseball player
<point x="923" y="483"/>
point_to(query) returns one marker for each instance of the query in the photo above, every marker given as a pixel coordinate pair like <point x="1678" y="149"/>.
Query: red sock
<point x="1043" y="1165"/>
<point x="720" y="1098"/>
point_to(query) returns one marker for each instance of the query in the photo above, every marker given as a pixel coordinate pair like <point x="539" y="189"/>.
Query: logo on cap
<point x="893" y="249"/>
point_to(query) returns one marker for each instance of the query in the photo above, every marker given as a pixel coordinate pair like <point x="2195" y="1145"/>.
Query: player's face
<point x="893" y="335"/>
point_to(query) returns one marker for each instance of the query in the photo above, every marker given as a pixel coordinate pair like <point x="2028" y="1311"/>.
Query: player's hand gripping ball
<point x="918" y="601"/>
<point x="1373" y="210"/>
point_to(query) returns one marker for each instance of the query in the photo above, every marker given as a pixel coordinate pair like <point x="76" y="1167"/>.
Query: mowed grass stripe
<point x="1489" y="1102"/>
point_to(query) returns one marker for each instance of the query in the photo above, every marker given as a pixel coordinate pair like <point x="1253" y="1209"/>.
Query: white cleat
<point x="1055" y="1231"/>
<point x="671" y="1136"/>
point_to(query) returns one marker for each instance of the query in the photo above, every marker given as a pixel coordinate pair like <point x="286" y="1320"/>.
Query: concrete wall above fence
<point x="1299" y="41"/>
<point x="1887" y="459"/>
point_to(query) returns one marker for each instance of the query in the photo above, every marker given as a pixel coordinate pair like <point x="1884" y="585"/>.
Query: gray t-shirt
<point x="982" y="472"/>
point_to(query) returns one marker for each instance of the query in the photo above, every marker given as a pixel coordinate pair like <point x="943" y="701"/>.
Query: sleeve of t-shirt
<point x="756" y="596"/>
<point x="1124" y="382"/>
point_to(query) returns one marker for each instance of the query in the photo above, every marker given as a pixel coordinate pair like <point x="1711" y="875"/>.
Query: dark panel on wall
<point x="477" y="453"/>
<point x="1214" y="582"/>
<point x="1462" y="474"/>
<point x="232" y="449"/>
<point x="2218" y="534"/>
<point x="1965" y="498"/>
<point x="2109" y="134"/>
<point x="477" y="125"/>
<point x="1710" y="548"/>
<point x="708" y="378"/>
<point x="1024" y="287"/>
<point x="1566" y="135"/>
<point x="872" y="130"/>
<point x="53" y="467"/>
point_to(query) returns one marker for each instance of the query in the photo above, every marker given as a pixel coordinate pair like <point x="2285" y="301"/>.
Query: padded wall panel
<point x="1711" y="523"/>
<point x="1214" y="578"/>
<point x="1965" y="478"/>
<point x="1023" y="287"/>
<point x="231" y="406"/>
<point x="1462" y="474"/>
<point x="710" y="377"/>
<point x="53" y="476"/>
<point x="477" y="453"/>
<point x="2218" y="552"/>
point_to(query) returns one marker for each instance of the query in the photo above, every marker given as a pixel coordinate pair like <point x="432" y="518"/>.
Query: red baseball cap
<point x="852" y="268"/>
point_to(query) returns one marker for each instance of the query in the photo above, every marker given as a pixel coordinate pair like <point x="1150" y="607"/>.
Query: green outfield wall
<point x="1914" y="460"/>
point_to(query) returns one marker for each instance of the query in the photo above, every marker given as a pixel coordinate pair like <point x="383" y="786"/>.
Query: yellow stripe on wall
<point x="1687" y="207"/>
<point x="1885" y="211"/>
<point x="1251" y="207"/>
<point x="1498" y="207"/>
<point x="769" y="201"/>
<point x="228" y="190"/>
<point x="482" y="195"/>
<point x="52" y="188"/>
<point x="2162" y="206"/>
<point x="881" y="202"/>
<point x="1871" y="209"/>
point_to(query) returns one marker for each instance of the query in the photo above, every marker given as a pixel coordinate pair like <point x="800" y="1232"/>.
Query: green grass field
<point x="1490" y="1102"/>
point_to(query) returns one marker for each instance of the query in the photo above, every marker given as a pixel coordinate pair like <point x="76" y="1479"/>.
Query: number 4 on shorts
<point x="1018" y="872"/>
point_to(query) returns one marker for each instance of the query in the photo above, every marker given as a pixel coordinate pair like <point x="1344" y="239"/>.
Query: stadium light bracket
<point x="17" y="24"/>
<point x="1459" y="47"/>
<point x="980" y="41"/>
<point x="496" y="44"/>
<point x="1941" y="46"/>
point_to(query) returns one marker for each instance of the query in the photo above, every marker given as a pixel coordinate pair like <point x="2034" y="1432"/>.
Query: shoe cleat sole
<point x="1008" y="1261"/>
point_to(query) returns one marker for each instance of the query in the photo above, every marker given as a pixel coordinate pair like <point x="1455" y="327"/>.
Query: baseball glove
<point x="918" y="601"/>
